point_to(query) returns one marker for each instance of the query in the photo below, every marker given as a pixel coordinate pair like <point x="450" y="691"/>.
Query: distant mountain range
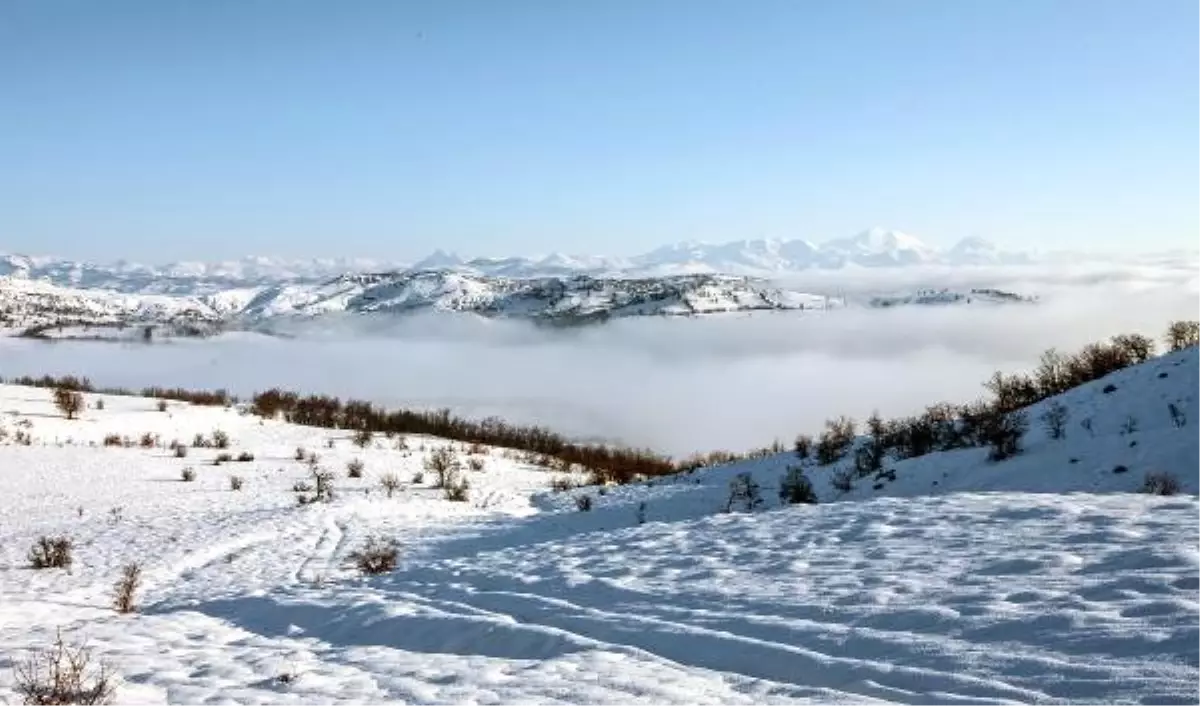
<point x="49" y="297"/>
<point x="755" y="258"/>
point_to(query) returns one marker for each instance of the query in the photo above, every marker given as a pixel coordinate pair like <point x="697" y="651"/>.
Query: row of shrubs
<point x="208" y="398"/>
<point x="997" y="423"/>
<point x="612" y="463"/>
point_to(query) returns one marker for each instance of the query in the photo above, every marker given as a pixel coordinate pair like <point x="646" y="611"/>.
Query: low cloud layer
<point x="676" y="385"/>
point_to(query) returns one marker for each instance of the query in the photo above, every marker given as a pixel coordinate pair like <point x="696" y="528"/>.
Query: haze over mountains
<point x="876" y="247"/>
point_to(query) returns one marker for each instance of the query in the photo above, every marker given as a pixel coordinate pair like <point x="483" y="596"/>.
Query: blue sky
<point x="167" y="129"/>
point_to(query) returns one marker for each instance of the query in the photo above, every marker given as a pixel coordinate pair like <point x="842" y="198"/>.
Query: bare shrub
<point x="113" y="440"/>
<point x="562" y="483"/>
<point x="63" y="675"/>
<point x="443" y="464"/>
<point x="323" y="485"/>
<point x="743" y="490"/>
<point x="475" y="464"/>
<point x="803" y="446"/>
<point x="1134" y="346"/>
<point x="1055" y="420"/>
<point x="377" y="556"/>
<point x="843" y="480"/>
<point x="199" y="442"/>
<point x="418" y="478"/>
<point x="148" y="440"/>
<point x="222" y="458"/>
<point x="1003" y="434"/>
<point x="245" y="457"/>
<point x="68" y="401"/>
<point x="835" y="440"/>
<point x="125" y="591"/>
<point x="181" y="451"/>
<point x="1012" y="392"/>
<point x="457" y="490"/>
<point x="641" y="513"/>
<point x="300" y="453"/>
<point x="1182" y="334"/>
<point x="162" y="405"/>
<point x="51" y="553"/>
<point x="187" y="475"/>
<point x="220" y="439"/>
<point x="235" y="482"/>
<point x="583" y="503"/>
<point x="795" y="488"/>
<point x="354" y="468"/>
<point x="301" y="486"/>
<point x="100" y="405"/>
<point x="1161" y="483"/>
<point x="363" y="438"/>
<point x="390" y="483"/>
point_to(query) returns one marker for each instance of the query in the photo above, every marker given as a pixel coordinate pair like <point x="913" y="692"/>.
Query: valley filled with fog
<point x="676" y="385"/>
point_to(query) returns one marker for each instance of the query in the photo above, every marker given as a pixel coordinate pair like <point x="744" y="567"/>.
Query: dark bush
<point x="796" y="488"/>
<point x="377" y="556"/>
<point x="125" y="592"/>
<point x="68" y="401"/>
<point x="354" y="468"/>
<point x="1055" y="420"/>
<point x="744" y="490"/>
<point x="51" y="553"/>
<point x="187" y="475"/>
<point x="1160" y="483"/>
<point x="583" y="503"/>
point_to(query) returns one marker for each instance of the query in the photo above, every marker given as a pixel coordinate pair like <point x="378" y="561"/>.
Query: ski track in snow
<point x="1056" y="585"/>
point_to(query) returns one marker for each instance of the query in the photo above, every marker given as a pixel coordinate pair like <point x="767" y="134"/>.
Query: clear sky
<point x="205" y="129"/>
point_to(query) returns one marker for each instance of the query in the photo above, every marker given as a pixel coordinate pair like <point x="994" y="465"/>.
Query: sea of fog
<point x="675" y="385"/>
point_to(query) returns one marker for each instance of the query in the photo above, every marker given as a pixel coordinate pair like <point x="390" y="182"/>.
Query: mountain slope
<point x="32" y="304"/>
<point x="876" y="247"/>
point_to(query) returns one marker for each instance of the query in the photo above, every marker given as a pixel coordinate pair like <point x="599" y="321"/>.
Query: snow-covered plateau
<point x="947" y="578"/>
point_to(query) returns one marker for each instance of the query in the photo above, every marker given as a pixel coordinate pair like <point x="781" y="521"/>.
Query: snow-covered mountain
<point x="35" y="306"/>
<point x="876" y="247"/>
<point x="179" y="278"/>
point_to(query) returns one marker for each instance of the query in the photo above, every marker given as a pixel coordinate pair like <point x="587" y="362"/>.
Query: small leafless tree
<point x="1055" y="420"/>
<point x="443" y="464"/>
<point x="390" y="483"/>
<point x="68" y="401"/>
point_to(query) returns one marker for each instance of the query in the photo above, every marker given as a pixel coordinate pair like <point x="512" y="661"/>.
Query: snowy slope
<point x="578" y="299"/>
<point x="31" y="304"/>
<point x="1038" y="579"/>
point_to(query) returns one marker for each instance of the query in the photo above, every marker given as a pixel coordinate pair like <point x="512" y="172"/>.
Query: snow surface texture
<point x="1058" y="585"/>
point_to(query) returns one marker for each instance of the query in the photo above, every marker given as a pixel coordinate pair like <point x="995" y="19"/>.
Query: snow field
<point x="1044" y="578"/>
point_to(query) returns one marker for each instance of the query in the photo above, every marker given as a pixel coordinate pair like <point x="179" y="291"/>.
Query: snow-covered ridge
<point x="876" y="247"/>
<point x="577" y="298"/>
<point x="572" y="300"/>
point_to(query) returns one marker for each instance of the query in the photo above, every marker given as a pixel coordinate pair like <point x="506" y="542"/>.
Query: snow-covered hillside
<point x="1043" y="578"/>
<point x="37" y="307"/>
<point x="26" y="304"/>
